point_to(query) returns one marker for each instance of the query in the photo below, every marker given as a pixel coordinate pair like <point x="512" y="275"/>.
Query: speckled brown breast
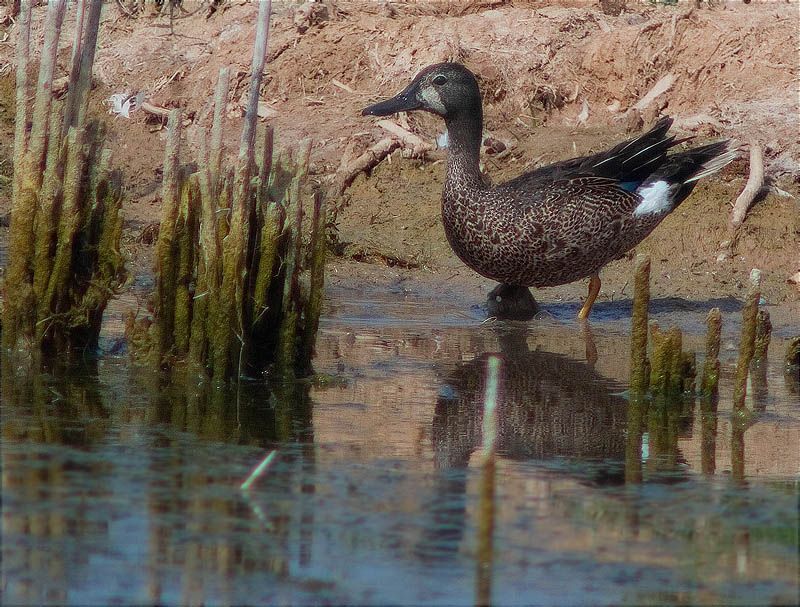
<point x="564" y="233"/>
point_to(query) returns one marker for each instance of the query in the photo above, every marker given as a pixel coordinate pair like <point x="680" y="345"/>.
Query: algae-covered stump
<point x="64" y="258"/>
<point x="239" y="269"/>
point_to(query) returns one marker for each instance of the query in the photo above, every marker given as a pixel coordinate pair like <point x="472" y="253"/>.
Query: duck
<point x="558" y="223"/>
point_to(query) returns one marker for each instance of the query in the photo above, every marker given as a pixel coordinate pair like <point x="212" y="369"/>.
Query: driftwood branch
<point x="659" y="88"/>
<point x="412" y="141"/>
<point x="755" y="182"/>
<point x="350" y="169"/>
<point x="155" y="110"/>
<point x="401" y="137"/>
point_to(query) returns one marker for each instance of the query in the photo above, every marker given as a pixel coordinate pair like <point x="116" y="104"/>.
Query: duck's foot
<point x="511" y="302"/>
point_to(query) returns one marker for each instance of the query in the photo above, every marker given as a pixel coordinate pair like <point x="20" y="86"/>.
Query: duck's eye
<point x="439" y="80"/>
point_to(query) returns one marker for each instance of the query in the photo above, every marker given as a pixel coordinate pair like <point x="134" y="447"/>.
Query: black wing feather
<point x="630" y="161"/>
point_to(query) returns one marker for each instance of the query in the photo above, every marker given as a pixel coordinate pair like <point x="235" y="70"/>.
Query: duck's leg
<point x="594" y="290"/>
<point x="511" y="302"/>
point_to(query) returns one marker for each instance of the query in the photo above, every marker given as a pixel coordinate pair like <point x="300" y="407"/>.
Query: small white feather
<point x="655" y="199"/>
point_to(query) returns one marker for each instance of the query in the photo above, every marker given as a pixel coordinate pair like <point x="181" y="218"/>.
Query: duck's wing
<point x="584" y="194"/>
<point x="665" y="186"/>
<point x="628" y="163"/>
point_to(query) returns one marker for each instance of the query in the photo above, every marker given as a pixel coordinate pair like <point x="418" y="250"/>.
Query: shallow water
<point x="119" y="490"/>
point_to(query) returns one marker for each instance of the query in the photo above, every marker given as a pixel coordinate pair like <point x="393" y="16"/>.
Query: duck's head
<point x="446" y="89"/>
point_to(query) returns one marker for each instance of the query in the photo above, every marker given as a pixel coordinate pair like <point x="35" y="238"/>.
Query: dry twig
<point x="153" y="110"/>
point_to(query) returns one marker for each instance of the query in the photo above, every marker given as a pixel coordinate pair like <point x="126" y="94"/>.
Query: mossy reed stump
<point x="640" y="374"/>
<point x="791" y="364"/>
<point x="742" y="416"/>
<point x="710" y="378"/>
<point x="662" y="383"/>
<point x="64" y="256"/>
<point x="239" y="260"/>
<point x="641" y="300"/>
<point x="747" y="344"/>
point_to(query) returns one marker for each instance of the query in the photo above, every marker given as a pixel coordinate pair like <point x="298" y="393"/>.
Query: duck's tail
<point x="673" y="181"/>
<point x="708" y="159"/>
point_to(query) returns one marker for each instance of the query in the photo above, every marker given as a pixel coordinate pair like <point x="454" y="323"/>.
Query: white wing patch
<point x="655" y="199"/>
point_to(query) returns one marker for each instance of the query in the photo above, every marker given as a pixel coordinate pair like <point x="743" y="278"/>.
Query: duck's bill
<point x="403" y="102"/>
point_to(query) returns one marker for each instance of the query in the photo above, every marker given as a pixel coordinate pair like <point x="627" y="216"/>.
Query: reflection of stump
<point x="792" y="365"/>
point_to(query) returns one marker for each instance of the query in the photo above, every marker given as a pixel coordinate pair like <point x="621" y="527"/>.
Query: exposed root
<point x="350" y="169"/>
<point x="416" y="144"/>
<point x="755" y="182"/>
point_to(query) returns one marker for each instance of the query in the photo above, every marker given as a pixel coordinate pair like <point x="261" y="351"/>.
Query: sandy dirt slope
<point x="559" y="79"/>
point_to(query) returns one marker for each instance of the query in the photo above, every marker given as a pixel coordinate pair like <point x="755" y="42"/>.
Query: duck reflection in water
<point x="550" y="405"/>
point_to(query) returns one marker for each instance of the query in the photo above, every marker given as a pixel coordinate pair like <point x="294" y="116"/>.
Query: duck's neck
<point x="464" y="147"/>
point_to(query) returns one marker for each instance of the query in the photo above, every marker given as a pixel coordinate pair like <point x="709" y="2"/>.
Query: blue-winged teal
<point x="558" y="223"/>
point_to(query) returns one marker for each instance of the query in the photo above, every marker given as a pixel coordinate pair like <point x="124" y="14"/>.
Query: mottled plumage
<point x="561" y="222"/>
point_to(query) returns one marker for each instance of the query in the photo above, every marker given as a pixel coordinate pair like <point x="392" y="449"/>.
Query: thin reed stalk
<point x="207" y="263"/>
<point x="318" y="246"/>
<point x="185" y="236"/>
<point x="762" y="339"/>
<point x="660" y="359"/>
<point x="272" y="218"/>
<point x="290" y="312"/>
<point x="69" y="224"/>
<point x="256" y="73"/>
<point x="29" y="168"/>
<point x="48" y="212"/>
<point x="21" y="116"/>
<point x="215" y="152"/>
<point x="37" y="143"/>
<point x="792" y="356"/>
<point x="758" y="365"/>
<point x="78" y="97"/>
<point x="486" y="506"/>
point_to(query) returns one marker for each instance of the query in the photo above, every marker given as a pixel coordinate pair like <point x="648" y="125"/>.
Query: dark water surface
<point x="117" y="490"/>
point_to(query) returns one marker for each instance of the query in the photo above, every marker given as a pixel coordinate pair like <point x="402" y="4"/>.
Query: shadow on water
<point x="119" y="488"/>
<point x="621" y="308"/>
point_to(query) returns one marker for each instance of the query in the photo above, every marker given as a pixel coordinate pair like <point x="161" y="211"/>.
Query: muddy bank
<point x="733" y="71"/>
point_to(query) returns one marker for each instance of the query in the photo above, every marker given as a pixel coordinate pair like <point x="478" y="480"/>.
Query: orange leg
<point x="594" y="290"/>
